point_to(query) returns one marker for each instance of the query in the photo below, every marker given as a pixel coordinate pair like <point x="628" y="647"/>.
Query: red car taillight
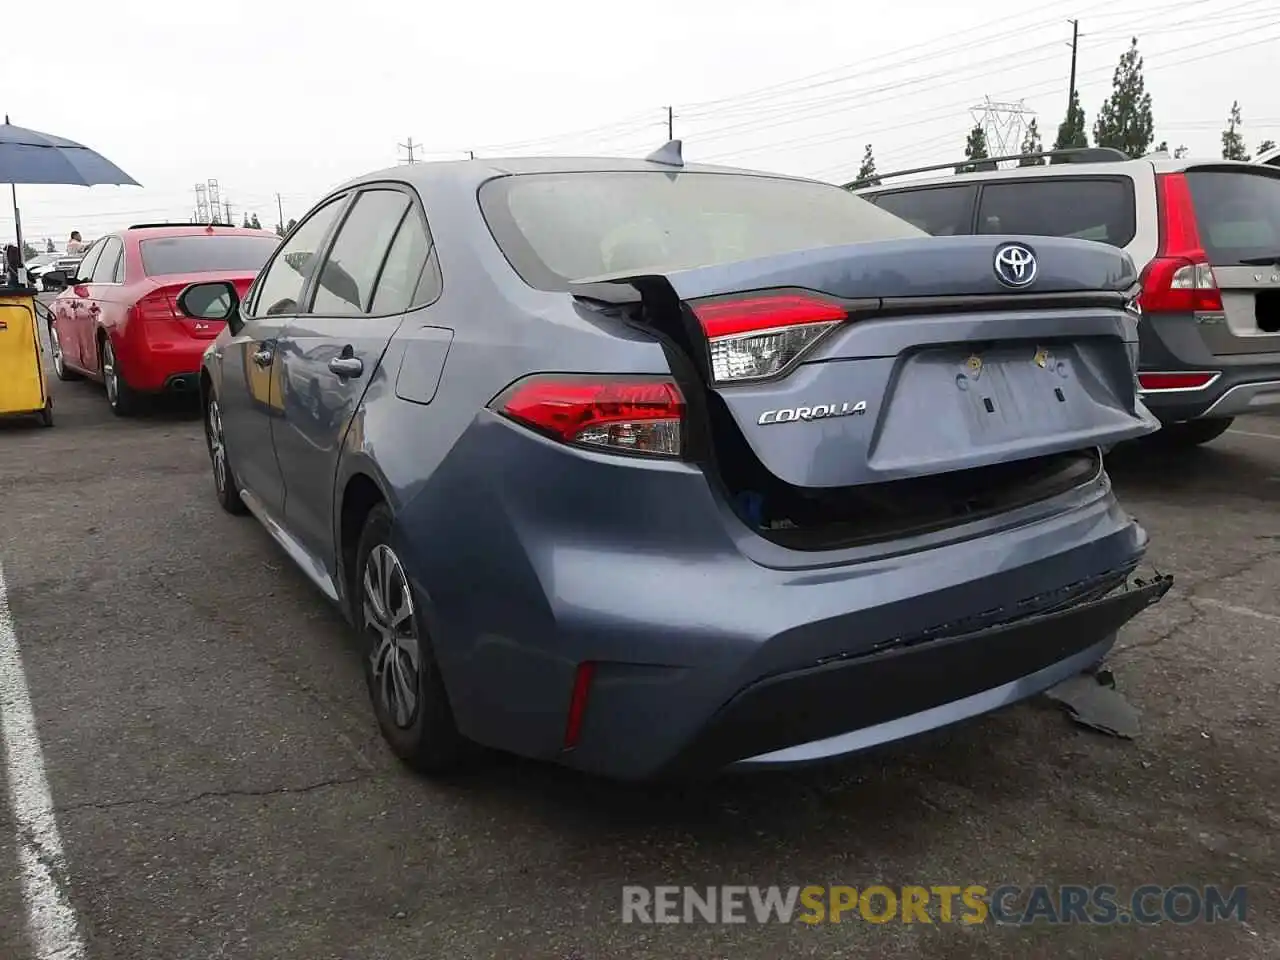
<point x="1179" y="279"/>
<point x="156" y="305"/>
<point x="641" y="415"/>
<point x="760" y="336"/>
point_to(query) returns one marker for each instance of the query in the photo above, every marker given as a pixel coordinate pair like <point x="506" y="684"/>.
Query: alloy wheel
<point x="217" y="445"/>
<point x="56" y="349"/>
<point x="109" y="375"/>
<point x="390" y="624"/>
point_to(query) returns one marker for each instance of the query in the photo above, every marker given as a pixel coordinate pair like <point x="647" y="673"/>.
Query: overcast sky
<point x="269" y="97"/>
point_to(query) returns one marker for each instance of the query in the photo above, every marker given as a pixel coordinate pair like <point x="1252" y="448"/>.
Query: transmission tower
<point x="215" y="202"/>
<point x="1004" y="124"/>
<point x="202" y="203"/>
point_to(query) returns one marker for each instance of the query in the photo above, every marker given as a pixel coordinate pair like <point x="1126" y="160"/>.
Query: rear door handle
<point x="346" y="366"/>
<point x="263" y="357"/>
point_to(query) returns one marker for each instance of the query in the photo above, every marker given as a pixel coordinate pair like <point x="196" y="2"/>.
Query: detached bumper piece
<point x="923" y="684"/>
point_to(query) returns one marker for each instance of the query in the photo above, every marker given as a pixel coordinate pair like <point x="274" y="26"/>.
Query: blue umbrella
<point x="30" y="157"/>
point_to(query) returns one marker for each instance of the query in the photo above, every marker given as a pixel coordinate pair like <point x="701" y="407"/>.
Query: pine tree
<point x="1071" y="132"/>
<point x="1161" y="147"/>
<point x="1180" y="151"/>
<point x="1266" y="145"/>
<point x="1124" y="121"/>
<point x="1232" y="139"/>
<point x="975" y="148"/>
<point x="868" y="169"/>
<point x="255" y="223"/>
<point x="1031" y="144"/>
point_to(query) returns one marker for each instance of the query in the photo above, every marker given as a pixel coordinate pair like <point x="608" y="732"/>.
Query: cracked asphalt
<point x="222" y="792"/>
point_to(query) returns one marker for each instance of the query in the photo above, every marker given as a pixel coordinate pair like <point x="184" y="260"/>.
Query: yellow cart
<point x="23" y="387"/>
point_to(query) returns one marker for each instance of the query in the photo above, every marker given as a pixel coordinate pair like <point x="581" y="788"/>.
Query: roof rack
<point x="1067" y="155"/>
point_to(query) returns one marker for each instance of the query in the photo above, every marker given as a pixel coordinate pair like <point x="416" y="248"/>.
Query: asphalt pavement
<point x="219" y="788"/>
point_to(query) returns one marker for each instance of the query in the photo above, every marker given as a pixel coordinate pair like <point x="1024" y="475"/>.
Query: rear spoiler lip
<point x="624" y="289"/>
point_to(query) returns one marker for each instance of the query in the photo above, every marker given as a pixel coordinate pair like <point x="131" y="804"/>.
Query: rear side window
<point x="1095" y="209"/>
<point x="559" y="227"/>
<point x="939" y="211"/>
<point x="1238" y="215"/>
<point x="104" y="271"/>
<point x="165" y="256"/>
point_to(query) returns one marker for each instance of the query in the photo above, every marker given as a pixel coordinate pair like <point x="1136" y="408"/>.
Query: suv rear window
<point x="165" y="256"/>
<point x="559" y="227"/>
<point x="939" y="211"/>
<point x="1095" y="209"/>
<point x="1238" y="214"/>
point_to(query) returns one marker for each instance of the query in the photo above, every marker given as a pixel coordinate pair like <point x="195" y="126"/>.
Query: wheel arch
<point x="360" y="494"/>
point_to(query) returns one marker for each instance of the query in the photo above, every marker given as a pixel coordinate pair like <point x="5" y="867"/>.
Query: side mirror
<point x="213" y="300"/>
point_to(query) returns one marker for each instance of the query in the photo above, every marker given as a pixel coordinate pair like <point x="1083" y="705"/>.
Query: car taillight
<point x="641" y="415"/>
<point x="1176" y="380"/>
<point x="1179" y="279"/>
<point x="759" y="336"/>
<point x="156" y="305"/>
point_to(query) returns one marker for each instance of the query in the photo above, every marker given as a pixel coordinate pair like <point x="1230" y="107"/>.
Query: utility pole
<point x="471" y="154"/>
<point x="671" y="124"/>
<point x="280" y="213"/>
<point x="1075" y="44"/>
<point x="410" y="147"/>
<point x="226" y="205"/>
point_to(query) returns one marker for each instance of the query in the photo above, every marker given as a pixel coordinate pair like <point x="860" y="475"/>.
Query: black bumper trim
<point x="850" y="694"/>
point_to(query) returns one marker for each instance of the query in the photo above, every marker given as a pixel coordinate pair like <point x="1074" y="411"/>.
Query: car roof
<point x="472" y="173"/>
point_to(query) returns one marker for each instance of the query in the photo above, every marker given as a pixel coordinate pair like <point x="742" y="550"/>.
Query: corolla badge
<point x="820" y="411"/>
<point x="1015" y="265"/>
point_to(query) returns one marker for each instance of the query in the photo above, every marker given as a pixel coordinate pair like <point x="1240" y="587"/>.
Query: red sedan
<point x="118" y="322"/>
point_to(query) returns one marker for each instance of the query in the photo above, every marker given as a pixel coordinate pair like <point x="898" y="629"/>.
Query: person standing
<point x="75" y="244"/>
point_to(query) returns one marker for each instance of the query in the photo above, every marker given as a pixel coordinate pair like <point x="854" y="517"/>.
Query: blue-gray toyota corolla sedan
<point x="654" y="469"/>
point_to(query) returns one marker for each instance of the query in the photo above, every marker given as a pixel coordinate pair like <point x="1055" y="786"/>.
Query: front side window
<point x="351" y="268"/>
<point x="280" y="286"/>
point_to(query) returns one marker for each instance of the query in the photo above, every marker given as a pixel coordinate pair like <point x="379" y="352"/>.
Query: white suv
<point x="1205" y="235"/>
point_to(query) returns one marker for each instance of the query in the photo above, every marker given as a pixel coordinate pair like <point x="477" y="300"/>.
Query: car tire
<point x="60" y="369"/>
<point x="410" y="702"/>
<point x="122" y="398"/>
<point x="1192" y="433"/>
<point x="225" y="485"/>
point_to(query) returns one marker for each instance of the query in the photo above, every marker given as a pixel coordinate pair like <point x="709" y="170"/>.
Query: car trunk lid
<point x="1237" y="226"/>
<point x="161" y="301"/>
<point x="897" y="359"/>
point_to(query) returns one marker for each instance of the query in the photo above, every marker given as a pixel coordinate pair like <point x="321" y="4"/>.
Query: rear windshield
<point x="559" y="227"/>
<point x="172" y="255"/>
<point x="1238" y="214"/>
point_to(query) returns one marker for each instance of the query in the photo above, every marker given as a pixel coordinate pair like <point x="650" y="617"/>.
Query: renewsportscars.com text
<point x="969" y="904"/>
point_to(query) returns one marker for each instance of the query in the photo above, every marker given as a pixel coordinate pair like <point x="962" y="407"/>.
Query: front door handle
<point x="262" y="358"/>
<point x="346" y="366"/>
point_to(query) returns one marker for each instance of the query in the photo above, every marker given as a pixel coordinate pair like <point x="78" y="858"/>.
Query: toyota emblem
<point x="1015" y="265"/>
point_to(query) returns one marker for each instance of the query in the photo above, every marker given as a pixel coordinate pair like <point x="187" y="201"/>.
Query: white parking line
<point x="51" y="920"/>
<point x="1239" y="611"/>
<point x="1250" y="433"/>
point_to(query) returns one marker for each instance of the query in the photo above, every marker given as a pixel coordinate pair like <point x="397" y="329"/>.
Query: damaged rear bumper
<point x="913" y="686"/>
